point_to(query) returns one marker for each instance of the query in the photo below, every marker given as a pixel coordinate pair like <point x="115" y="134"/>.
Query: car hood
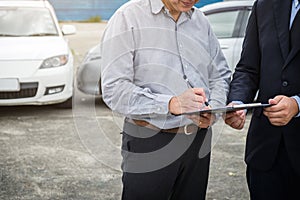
<point x="31" y="48"/>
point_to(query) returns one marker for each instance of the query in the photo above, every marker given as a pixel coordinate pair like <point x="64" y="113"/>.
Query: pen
<point x="192" y="86"/>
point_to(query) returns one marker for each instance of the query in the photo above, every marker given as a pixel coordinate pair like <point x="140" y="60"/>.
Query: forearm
<point x="128" y="99"/>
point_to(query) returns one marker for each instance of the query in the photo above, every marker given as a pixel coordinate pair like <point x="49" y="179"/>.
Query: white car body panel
<point x="228" y="46"/>
<point x="31" y="48"/>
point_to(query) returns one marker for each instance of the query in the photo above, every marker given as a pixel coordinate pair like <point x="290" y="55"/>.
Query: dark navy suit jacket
<point x="269" y="65"/>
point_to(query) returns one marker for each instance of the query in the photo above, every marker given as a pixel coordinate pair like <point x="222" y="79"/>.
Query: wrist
<point x="295" y="107"/>
<point x="173" y="105"/>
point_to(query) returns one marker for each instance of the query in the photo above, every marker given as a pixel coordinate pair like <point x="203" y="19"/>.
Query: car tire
<point x="100" y="89"/>
<point x="66" y="104"/>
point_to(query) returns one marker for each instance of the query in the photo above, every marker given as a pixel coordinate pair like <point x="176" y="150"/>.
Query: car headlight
<point x="55" y="61"/>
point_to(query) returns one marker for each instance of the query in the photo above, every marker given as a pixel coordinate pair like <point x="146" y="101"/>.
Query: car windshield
<point x="18" y="22"/>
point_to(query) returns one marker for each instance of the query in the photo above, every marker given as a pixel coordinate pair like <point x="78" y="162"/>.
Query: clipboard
<point x="228" y="108"/>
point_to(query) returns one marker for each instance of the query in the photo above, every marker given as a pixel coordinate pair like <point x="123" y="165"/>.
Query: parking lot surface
<point x="52" y="153"/>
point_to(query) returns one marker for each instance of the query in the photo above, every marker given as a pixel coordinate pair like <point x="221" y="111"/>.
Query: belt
<point x="187" y="129"/>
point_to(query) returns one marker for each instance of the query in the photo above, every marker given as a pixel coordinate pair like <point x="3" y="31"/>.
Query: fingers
<point x="278" y="121"/>
<point x="199" y="99"/>
<point x="276" y="99"/>
<point x="203" y="121"/>
<point x="200" y="92"/>
<point x="238" y="124"/>
<point x="282" y="111"/>
<point x="191" y="100"/>
<point x="275" y="102"/>
<point x="236" y="119"/>
<point x="198" y="96"/>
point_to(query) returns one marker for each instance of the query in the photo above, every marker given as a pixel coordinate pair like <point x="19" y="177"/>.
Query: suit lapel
<point x="282" y="18"/>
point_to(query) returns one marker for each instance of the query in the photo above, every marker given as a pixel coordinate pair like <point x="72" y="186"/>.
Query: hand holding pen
<point x="204" y="120"/>
<point x="190" y="85"/>
<point x="192" y="99"/>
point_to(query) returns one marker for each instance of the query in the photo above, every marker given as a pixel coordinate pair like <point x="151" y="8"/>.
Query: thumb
<point x="275" y="100"/>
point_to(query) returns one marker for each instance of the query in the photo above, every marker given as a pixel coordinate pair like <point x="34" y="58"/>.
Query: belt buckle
<point x="186" y="131"/>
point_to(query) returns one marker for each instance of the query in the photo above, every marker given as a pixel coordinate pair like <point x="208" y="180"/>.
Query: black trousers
<point x="164" y="166"/>
<point x="281" y="182"/>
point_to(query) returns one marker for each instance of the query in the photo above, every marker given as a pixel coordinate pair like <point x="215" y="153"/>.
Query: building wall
<point x="79" y="10"/>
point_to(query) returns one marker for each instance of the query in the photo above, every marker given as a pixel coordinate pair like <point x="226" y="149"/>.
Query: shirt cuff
<point x="239" y="103"/>
<point x="297" y="98"/>
<point x="163" y="103"/>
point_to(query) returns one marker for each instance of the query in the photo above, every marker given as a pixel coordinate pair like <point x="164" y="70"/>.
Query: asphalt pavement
<point x="52" y="153"/>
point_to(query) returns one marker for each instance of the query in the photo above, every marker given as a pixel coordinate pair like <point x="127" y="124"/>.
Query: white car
<point x="228" y="20"/>
<point x="36" y="64"/>
<point x="88" y="73"/>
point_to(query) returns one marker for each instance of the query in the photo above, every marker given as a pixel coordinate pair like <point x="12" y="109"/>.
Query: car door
<point x="229" y="25"/>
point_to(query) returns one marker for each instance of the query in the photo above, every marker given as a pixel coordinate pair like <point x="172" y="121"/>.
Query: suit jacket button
<point x="285" y="83"/>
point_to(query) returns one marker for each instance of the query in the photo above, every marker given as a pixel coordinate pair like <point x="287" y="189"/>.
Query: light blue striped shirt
<point x="145" y="54"/>
<point x="295" y="9"/>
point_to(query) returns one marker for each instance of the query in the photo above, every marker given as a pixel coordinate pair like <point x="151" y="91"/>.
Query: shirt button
<point x="285" y="83"/>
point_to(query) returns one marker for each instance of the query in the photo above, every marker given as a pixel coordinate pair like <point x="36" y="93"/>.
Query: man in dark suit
<point x="270" y="64"/>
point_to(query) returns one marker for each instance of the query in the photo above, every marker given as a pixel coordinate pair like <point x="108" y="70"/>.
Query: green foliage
<point x="94" y="19"/>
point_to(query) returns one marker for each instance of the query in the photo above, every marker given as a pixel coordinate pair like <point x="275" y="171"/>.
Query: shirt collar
<point x="158" y="5"/>
<point x="190" y="12"/>
<point x="296" y="3"/>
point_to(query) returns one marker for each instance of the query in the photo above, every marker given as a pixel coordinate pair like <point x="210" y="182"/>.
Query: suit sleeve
<point x="246" y="77"/>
